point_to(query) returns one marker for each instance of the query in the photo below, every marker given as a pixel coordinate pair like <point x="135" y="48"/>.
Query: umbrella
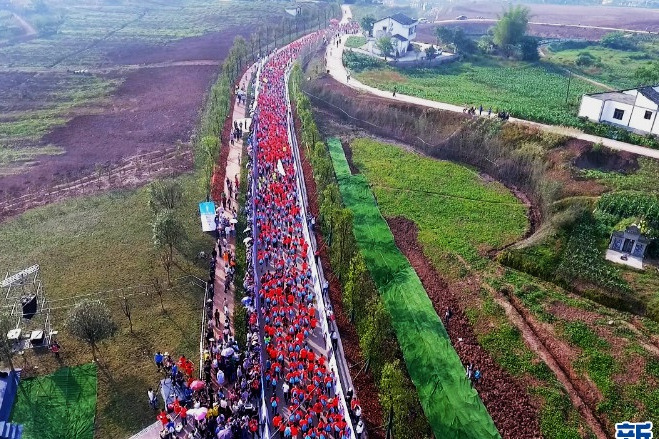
<point x="227" y="352"/>
<point x="233" y="221"/>
<point x="197" y="385"/>
<point x="224" y="434"/>
<point x="201" y="413"/>
<point x="334" y="21"/>
<point x="247" y="230"/>
<point x="246" y="240"/>
<point x="245" y="300"/>
<point x="192" y="412"/>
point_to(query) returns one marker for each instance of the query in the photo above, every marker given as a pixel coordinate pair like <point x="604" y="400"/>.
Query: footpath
<point x="240" y="112"/>
<point x="334" y="58"/>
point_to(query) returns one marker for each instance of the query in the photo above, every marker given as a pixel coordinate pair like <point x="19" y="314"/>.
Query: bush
<point x="357" y="63"/>
<point x="585" y="59"/>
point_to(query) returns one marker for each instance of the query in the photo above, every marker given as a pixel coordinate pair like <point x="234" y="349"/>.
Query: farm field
<point x="613" y="67"/>
<point x="458" y="210"/>
<point x="594" y="348"/>
<point x="82" y="246"/>
<point x="108" y="81"/>
<point x="429" y="356"/>
<point x="587" y="15"/>
<point x="499" y="84"/>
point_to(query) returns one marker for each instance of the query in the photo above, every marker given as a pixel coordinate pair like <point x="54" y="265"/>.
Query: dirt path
<point x="338" y="72"/>
<point x="27" y="27"/>
<point x="536" y="344"/>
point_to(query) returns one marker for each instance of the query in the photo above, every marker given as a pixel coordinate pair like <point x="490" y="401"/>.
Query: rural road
<point x="581" y="26"/>
<point x="27" y="27"/>
<point x="338" y="71"/>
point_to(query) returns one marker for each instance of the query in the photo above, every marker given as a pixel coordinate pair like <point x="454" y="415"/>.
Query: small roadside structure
<point x="635" y="109"/>
<point x="401" y="29"/>
<point x="628" y="247"/>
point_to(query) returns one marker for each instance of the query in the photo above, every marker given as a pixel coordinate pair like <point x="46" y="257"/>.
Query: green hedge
<point x="362" y="302"/>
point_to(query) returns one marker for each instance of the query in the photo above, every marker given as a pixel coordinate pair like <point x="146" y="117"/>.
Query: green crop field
<point x="59" y="405"/>
<point x="529" y="91"/>
<point x="613" y="67"/>
<point x="105" y="243"/>
<point x="456" y="209"/>
<point x="451" y="405"/>
<point x="355" y="42"/>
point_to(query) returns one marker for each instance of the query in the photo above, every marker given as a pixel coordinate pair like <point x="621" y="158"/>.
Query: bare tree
<point x="127" y="309"/>
<point x="157" y="286"/>
<point x="167" y="234"/>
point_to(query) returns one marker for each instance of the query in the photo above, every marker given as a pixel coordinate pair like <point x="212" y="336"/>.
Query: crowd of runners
<point x="300" y="387"/>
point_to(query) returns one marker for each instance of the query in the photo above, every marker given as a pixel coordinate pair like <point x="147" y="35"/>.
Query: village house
<point x="401" y="29"/>
<point x="634" y="109"/>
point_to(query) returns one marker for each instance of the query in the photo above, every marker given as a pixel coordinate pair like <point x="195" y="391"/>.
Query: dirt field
<point x="154" y="108"/>
<point x="426" y="32"/>
<point x="607" y="16"/>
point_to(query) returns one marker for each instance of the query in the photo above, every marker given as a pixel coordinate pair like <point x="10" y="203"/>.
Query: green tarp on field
<point x="56" y="406"/>
<point x="452" y="407"/>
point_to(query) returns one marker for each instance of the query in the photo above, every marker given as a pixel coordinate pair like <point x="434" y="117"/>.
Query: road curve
<point x="338" y="71"/>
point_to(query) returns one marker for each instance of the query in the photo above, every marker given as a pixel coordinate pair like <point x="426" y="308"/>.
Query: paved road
<point x="339" y="72"/>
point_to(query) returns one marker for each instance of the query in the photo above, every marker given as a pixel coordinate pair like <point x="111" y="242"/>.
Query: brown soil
<point x="426" y="32"/>
<point x="559" y="169"/>
<point x="154" y="109"/>
<point x="503" y="395"/>
<point x="606" y="16"/>
<point x="604" y="159"/>
<point x="363" y="382"/>
<point x="348" y="153"/>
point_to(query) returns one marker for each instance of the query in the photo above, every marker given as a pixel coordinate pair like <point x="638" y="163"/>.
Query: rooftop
<point x="400" y="37"/>
<point x="615" y="96"/>
<point x="401" y="18"/>
<point x="650" y="93"/>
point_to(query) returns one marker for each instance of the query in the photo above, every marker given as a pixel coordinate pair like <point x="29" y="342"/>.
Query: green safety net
<point x="453" y="408"/>
<point x="56" y="406"/>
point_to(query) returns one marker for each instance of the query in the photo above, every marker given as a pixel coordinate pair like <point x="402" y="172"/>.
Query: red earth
<point x="154" y="109"/>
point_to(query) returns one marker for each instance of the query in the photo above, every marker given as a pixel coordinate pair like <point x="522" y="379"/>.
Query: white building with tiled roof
<point x="401" y="29"/>
<point x="634" y="109"/>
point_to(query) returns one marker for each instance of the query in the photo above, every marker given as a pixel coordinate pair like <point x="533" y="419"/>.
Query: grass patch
<point x="355" y="42"/>
<point x="433" y="364"/>
<point x="104" y="243"/>
<point x="62" y="404"/>
<point x="611" y="66"/>
<point x="455" y="209"/>
<point x="491" y="82"/>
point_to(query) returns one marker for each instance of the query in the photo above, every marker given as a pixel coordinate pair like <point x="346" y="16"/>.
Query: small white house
<point x="634" y="109"/>
<point x="401" y="29"/>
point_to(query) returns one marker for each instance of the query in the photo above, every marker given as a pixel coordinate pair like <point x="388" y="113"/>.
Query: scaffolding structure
<point x="24" y="302"/>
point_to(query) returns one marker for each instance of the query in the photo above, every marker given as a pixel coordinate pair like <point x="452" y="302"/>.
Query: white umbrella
<point x="233" y="221"/>
<point x="246" y="240"/>
<point x="227" y="352"/>
<point x="247" y="230"/>
<point x="245" y="300"/>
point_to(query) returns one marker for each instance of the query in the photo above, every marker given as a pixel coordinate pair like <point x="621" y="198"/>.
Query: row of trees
<point x="402" y="409"/>
<point x="243" y="53"/>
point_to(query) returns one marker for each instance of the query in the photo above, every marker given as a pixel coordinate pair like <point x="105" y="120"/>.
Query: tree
<point x="165" y="194"/>
<point x="529" y="49"/>
<point x="444" y="35"/>
<point x="157" y="286"/>
<point x="367" y="24"/>
<point x="384" y="46"/>
<point x="618" y="40"/>
<point x="167" y="234"/>
<point x="210" y="148"/>
<point x="355" y="292"/>
<point x="374" y="336"/>
<point x="91" y="322"/>
<point x="431" y="53"/>
<point x="512" y="26"/>
<point x="417" y="51"/>
<point x="128" y="312"/>
<point x="648" y="74"/>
